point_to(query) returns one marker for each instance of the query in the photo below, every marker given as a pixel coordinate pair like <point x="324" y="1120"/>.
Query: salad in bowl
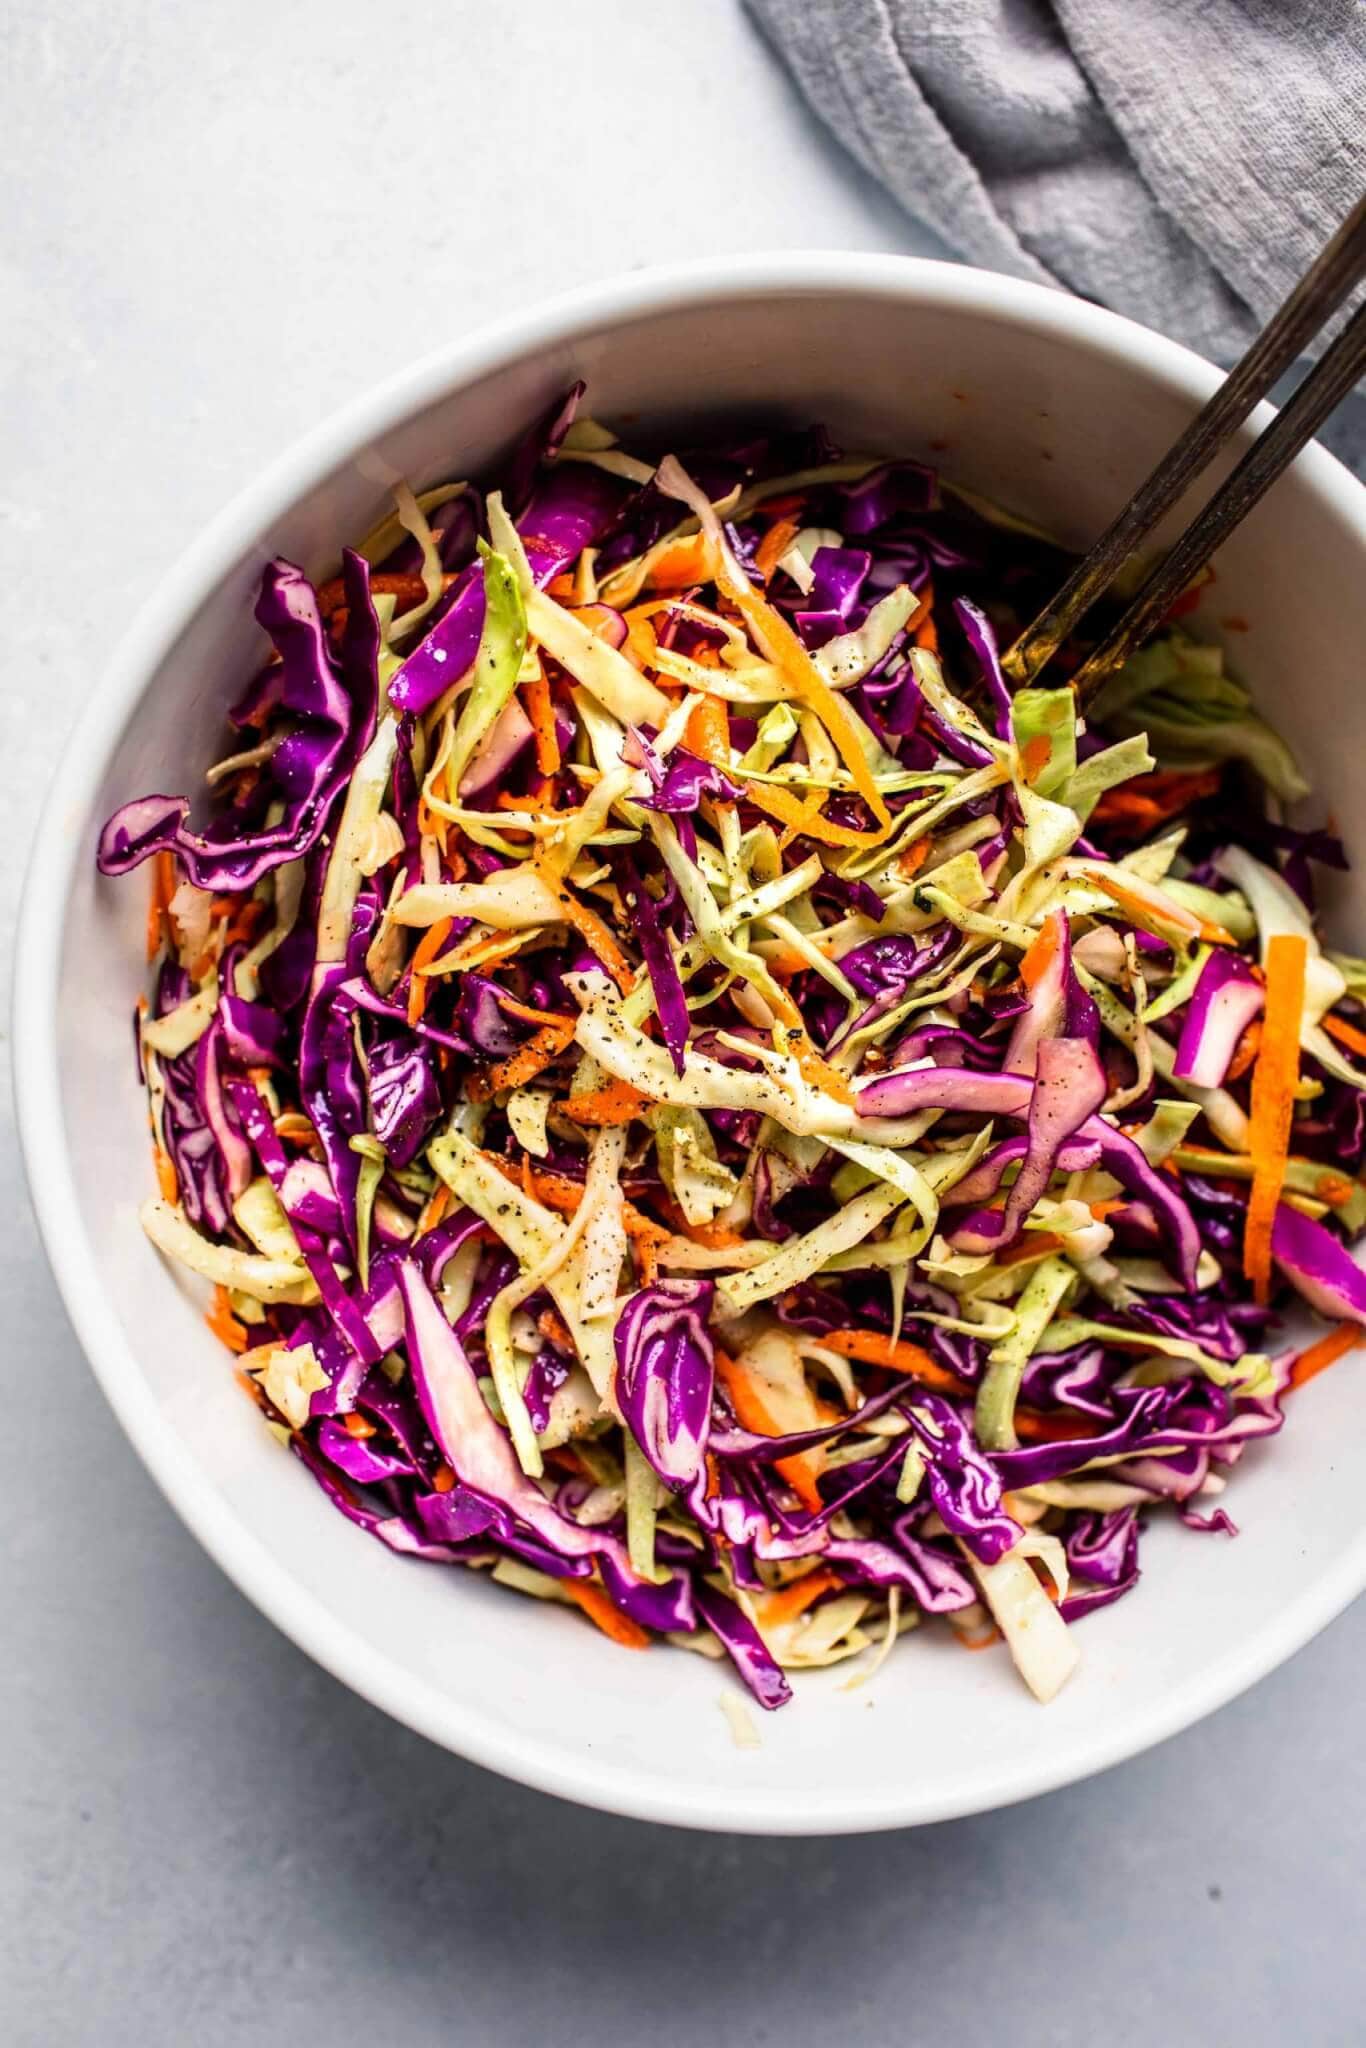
<point x="694" y="1099"/>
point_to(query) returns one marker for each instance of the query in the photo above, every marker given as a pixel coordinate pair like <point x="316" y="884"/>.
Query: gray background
<point x="218" y="224"/>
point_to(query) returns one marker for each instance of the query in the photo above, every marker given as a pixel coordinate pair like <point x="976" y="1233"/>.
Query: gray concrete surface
<point x="218" y="223"/>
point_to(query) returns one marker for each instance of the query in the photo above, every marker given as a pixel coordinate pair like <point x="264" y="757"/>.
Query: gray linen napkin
<point x="1182" y="161"/>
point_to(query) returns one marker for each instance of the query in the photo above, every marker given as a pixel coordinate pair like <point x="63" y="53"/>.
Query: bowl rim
<point x="613" y="1787"/>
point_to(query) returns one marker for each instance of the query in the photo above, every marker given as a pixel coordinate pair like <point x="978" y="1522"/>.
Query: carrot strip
<point x="1035" y="1244"/>
<point x="513" y="1008"/>
<point x="782" y="645"/>
<point x="1245" y="1051"/>
<point x="1035" y="961"/>
<point x="870" y="1347"/>
<point x="1143" y="910"/>
<point x="409" y="589"/>
<point x="774" y="546"/>
<point x="616" y="1102"/>
<point x="1147" y="800"/>
<point x="426" y="950"/>
<point x="541" y="712"/>
<point x="167" y="1185"/>
<point x="819" y="1073"/>
<point x="716" y="1236"/>
<point x="433" y="1209"/>
<point x="707" y="732"/>
<point x="163" y="889"/>
<point x="589" y="926"/>
<point x="224" y="1323"/>
<point x="784" y="507"/>
<point x="913" y="859"/>
<point x="803" y="820"/>
<point x="606" y="1614"/>
<point x="794" y="1599"/>
<point x="1035" y="757"/>
<point x="685" y="562"/>
<point x="1345" y="1034"/>
<point x="800" y="1470"/>
<point x="558" y="1192"/>
<point x="554" y="1331"/>
<point x="1326" y="1352"/>
<point x="540" y="1049"/>
<point x="1035" y="1427"/>
<point x="478" y="950"/>
<point x="1274" y="1079"/>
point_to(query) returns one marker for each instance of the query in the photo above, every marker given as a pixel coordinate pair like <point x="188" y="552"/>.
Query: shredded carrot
<point x="716" y="1236"/>
<point x="615" y="1102"/>
<point x="554" y="1190"/>
<point x="981" y="1641"/>
<point x="508" y="800"/>
<point x="224" y="1323"/>
<point x="426" y="950"/>
<point x="707" y="732"/>
<point x="913" y="859"/>
<point x="163" y="889"/>
<point x="684" y="562"/>
<point x="1245" y="1051"/>
<point x="479" y="949"/>
<point x="561" y="587"/>
<point x="1146" y="801"/>
<point x="443" y="1479"/>
<point x="589" y="926"/>
<point x="606" y="1614"/>
<point x="794" y="1599"/>
<point x="295" y="1129"/>
<point x="786" y="964"/>
<point x="1035" y="757"/>
<point x="1034" y="1426"/>
<point x="554" y="1330"/>
<point x="783" y="646"/>
<point x="1345" y="1034"/>
<point x="819" y="1073"/>
<point x="531" y="1059"/>
<point x="926" y="633"/>
<point x="167" y="1184"/>
<point x="800" y="1470"/>
<point x="802" y="819"/>
<point x="1155" y="907"/>
<point x="356" y="1425"/>
<point x="558" y="1192"/>
<point x="407" y="589"/>
<point x="244" y="917"/>
<point x="541" y="712"/>
<point x="1274" y="1080"/>
<point x="1038" y="958"/>
<point x="784" y="507"/>
<point x="1328" y="1350"/>
<point x="1035" y="1244"/>
<point x="1190" y="596"/>
<point x="512" y="1007"/>
<point x="433" y="1209"/>
<point x="774" y="546"/>
<point x="870" y="1347"/>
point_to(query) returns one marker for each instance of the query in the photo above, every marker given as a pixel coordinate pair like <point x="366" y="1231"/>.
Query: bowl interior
<point x="1053" y="409"/>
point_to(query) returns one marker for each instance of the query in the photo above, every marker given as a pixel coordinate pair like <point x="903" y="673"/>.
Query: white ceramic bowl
<point x="1053" y="407"/>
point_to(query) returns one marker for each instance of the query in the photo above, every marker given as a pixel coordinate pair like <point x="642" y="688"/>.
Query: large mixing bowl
<point x="1048" y="405"/>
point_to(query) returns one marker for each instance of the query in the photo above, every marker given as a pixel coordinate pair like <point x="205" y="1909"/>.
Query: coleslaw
<point x="693" y="1098"/>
